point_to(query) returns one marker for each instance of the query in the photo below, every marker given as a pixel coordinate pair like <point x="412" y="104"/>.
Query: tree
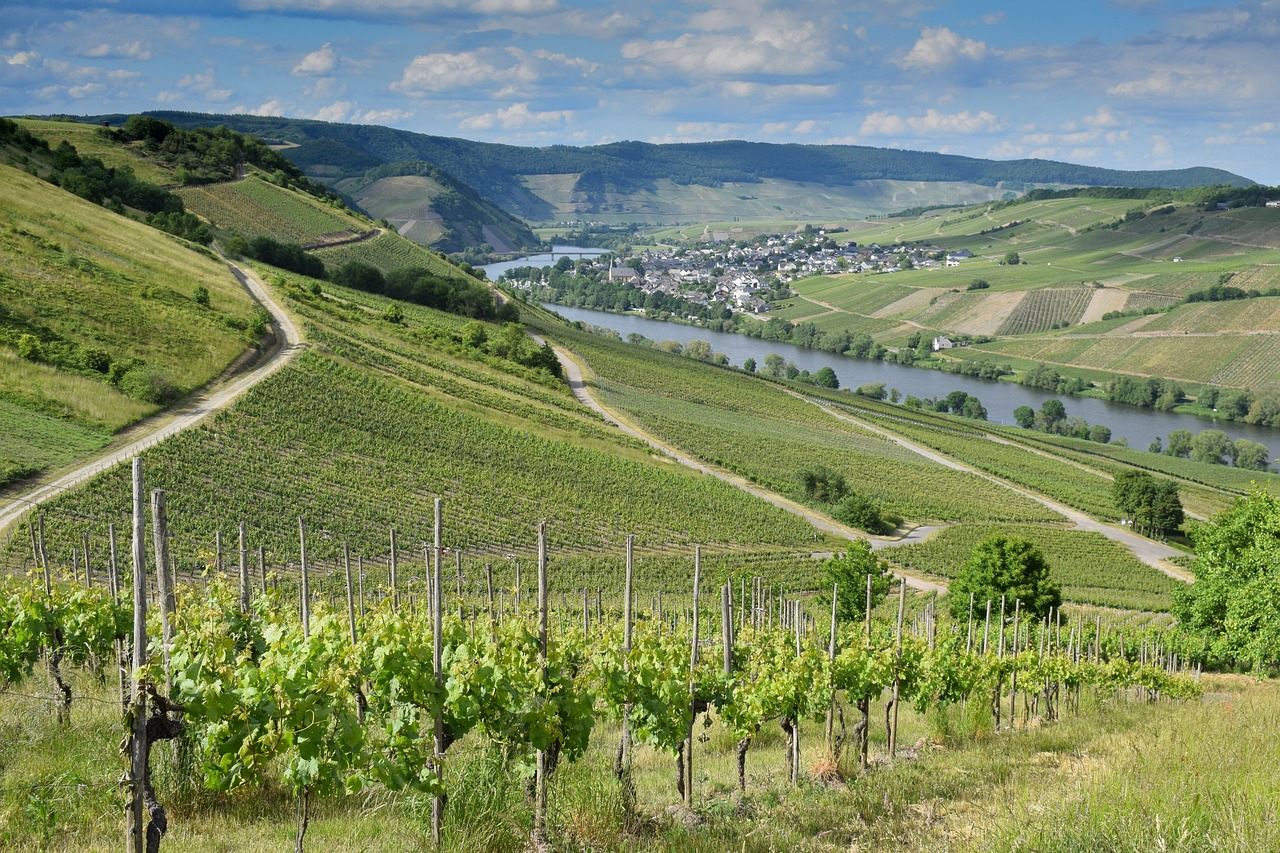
<point x="200" y="295"/>
<point x="1051" y="412"/>
<point x="749" y="365"/>
<point x="1179" y="443"/>
<point x="861" y="512"/>
<point x="1233" y="608"/>
<point x="1249" y="454"/>
<point x="826" y="378"/>
<point x="774" y="365"/>
<point x="1025" y="417"/>
<point x="1155" y="446"/>
<point x="1005" y="566"/>
<point x="1100" y="433"/>
<point x="1012" y="259"/>
<point x="1210" y="446"/>
<point x="874" y="391"/>
<point x="1152" y="504"/>
<point x="849" y="572"/>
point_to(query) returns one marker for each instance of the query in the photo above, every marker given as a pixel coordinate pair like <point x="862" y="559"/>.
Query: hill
<point x="649" y="182"/>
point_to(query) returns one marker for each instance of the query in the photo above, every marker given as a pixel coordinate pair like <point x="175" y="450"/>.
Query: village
<point x="748" y="276"/>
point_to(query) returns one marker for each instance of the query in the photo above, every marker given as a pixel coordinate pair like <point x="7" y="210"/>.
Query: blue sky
<point x="1131" y="84"/>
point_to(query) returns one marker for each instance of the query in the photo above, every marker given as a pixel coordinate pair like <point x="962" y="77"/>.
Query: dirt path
<point x="213" y="398"/>
<point x="1154" y="554"/>
<point x="573" y="372"/>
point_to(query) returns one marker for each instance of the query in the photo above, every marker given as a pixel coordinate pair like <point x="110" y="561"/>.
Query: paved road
<point x="577" y="383"/>
<point x="160" y="427"/>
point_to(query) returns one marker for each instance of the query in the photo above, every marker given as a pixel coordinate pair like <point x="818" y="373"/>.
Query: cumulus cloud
<point x="129" y="50"/>
<point x="941" y="47"/>
<point x="443" y="72"/>
<point x="792" y="50"/>
<point x="337" y="111"/>
<point x="778" y="92"/>
<point x="273" y="107"/>
<point x="205" y="84"/>
<point x="317" y="62"/>
<point x="931" y="123"/>
<point x="516" y="117"/>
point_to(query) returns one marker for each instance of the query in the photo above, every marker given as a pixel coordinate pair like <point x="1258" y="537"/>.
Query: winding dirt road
<point x="217" y="396"/>
<point x="577" y="383"/>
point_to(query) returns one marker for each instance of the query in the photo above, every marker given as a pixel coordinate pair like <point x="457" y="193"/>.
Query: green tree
<point x="775" y="366"/>
<point x="860" y="511"/>
<point x="1233" y="608"/>
<point x="1025" y="417"/>
<point x="826" y="378"/>
<point x="1210" y="445"/>
<point x="1249" y="454"/>
<point x="1052" y="412"/>
<point x="200" y="295"/>
<point x="1179" y="443"/>
<point x="1152" y="504"/>
<point x="749" y="365"/>
<point x="849" y="572"/>
<point x="1005" y="566"/>
<point x="1012" y="259"/>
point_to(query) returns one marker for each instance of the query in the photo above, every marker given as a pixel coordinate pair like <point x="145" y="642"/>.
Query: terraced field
<point x="387" y="252"/>
<point x="1047" y="309"/>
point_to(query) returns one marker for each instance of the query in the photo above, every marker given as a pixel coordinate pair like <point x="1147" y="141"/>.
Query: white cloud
<point x="25" y="58"/>
<point x="700" y="131"/>
<point x="391" y="116"/>
<point x="337" y="111"/>
<point x="1160" y="146"/>
<point x="781" y="92"/>
<point x="129" y="50"/>
<point x="273" y="107"/>
<point x="205" y="84"/>
<point x="321" y="61"/>
<point x="808" y="127"/>
<point x="443" y="72"/>
<point x="1101" y="117"/>
<point x="783" y="51"/>
<point x="931" y="123"/>
<point x="942" y="47"/>
<point x="516" y="117"/>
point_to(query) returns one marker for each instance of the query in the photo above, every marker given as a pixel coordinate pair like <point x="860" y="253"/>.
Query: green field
<point x="253" y="207"/>
<point x="388" y="252"/>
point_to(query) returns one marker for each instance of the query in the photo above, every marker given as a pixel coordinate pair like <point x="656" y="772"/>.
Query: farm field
<point x="388" y="252"/>
<point x="253" y="207"/>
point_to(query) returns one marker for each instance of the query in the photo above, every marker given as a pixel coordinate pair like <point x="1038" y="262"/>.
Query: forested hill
<point x="494" y="170"/>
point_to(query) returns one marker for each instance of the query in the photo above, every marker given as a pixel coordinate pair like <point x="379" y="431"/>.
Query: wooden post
<point x="623" y="765"/>
<point x="461" y="614"/>
<point x="88" y="572"/>
<point x="306" y="590"/>
<point x="136" y="825"/>
<point x="986" y="631"/>
<point x="351" y="601"/>
<point x="395" y="593"/>
<point x="262" y="567"/>
<point x="1013" y="674"/>
<point x="44" y="558"/>
<point x="160" y="534"/>
<point x="893" y="731"/>
<point x="693" y="665"/>
<point x="831" y="656"/>
<point x="246" y="594"/>
<point x="437" y="662"/>
<point x="795" y="727"/>
<point x="488" y="586"/>
<point x="541" y="769"/>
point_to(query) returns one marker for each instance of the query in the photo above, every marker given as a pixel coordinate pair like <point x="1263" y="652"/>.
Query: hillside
<point x="628" y="181"/>
<point x="100" y="325"/>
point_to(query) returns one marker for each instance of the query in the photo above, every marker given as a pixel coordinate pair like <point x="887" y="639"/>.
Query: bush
<point x="861" y="512"/>
<point x="30" y="348"/>
<point x="148" y="385"/>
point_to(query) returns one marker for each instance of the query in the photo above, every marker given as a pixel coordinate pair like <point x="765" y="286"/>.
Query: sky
<point x="1127" y="84"/>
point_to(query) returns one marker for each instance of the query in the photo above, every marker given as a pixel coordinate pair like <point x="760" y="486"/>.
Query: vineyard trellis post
<point x="88" y="572"/>
<point x="120" y="646"/>
<point x="622" y="766"/>
<point x="135" y="824"/>
<point x="541" y="768"/>
<point x="897" y="682"/>
<point x="164" y="591"/>
<point x="246" y="594"/>
<point x="306" y="591"/>
<point x="437" y="663"/>
<point x="395" y="592"/>
<point x="831" y="657"/>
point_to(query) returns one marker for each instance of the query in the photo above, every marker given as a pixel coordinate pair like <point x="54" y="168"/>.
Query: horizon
<point x="1117" y="84"/>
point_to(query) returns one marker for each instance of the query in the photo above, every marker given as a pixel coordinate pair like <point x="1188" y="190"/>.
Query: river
<point x="544" y="260"/>
<point x="1137" y="425"/>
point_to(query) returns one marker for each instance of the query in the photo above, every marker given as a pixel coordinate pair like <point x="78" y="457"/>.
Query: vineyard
<point x="1045" y="309"/>
<point x="1091" y="568"/>
<point x="388" y="252"/>
<point x="759" y="432"/>
<point x="318" y="688"/>
<point x="254" y="208"/>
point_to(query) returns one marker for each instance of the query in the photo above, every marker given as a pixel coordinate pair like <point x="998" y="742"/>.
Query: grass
<point x="1123" y="775"/>
<point x="255" y="207"/>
